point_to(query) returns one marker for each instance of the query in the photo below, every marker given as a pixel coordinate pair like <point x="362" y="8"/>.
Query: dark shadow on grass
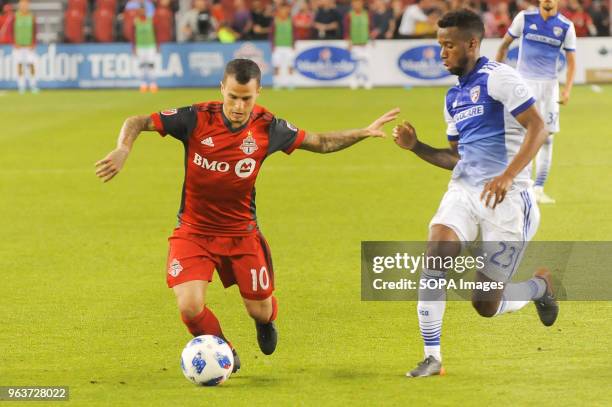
<point x="352" y="374"/>
<point x="260" y="381"/>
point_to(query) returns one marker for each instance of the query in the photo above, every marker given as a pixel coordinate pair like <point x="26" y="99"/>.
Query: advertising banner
<point x="114" y="65"/>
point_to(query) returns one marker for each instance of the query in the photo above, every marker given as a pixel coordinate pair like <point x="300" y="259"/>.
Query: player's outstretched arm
<point x="503" y="48"/>
<point x="405" y="137"/>
<point x="338" y="140"/>
<point x="110" y="165"/>
<point x="495" y="190"/>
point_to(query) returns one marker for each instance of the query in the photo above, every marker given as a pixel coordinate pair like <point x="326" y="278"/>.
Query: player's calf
<point x="486" y="302"/>
<point x="487" y="309"/>
<point x="264" y="313"/>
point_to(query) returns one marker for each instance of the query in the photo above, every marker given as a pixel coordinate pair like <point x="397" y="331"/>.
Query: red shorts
<point x="242" y="260"/>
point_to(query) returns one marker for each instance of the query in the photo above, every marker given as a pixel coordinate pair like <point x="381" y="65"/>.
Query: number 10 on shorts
<point x="260" y="279"/>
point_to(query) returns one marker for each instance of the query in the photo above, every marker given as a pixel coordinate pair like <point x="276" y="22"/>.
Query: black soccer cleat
<point x="236" y="361"/>
<point x="267" y="337"/>
<point x="430" y="366"/>
<point x="547" y="306"/>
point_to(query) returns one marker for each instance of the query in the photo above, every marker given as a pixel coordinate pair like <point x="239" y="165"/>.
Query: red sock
<point x="205" y="323"/>
<point x="274" y="309"/>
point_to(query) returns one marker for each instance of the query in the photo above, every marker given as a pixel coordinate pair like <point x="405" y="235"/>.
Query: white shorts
<point x="282" y="57"/>
<point x="24" y="55"/>
<point x="361" y="52"/>
<point x="546" y="93"/>
<point x="509" y="227"/>
<point x="146" y="55"/>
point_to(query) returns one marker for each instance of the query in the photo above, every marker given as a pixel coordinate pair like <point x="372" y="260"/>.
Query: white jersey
<point x="540" y="43"/>
<point x="480" y="112"/>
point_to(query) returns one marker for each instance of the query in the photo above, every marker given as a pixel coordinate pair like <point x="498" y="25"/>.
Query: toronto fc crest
<point x="249" y="146"/>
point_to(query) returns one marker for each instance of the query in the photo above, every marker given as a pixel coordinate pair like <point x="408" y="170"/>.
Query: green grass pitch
<point x="83" y="298"/>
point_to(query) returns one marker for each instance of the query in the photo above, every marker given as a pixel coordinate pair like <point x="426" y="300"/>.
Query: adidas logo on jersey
<point x="533" y="27"/>
<point x="208" y="141"/>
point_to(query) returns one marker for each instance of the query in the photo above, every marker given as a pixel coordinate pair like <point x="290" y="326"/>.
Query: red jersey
<point x="221" y="164"/>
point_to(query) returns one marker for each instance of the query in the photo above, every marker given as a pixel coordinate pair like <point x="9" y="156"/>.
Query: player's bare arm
<point x="405" y="137"/>
<point x="110" y="165"/>
<point x="495" y="190"/>
<point x="569" y="78"/>
<point x="503" y="48"/>
<point x="337" y="140"/>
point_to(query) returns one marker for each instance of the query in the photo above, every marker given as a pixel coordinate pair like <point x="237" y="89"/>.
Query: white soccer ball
<point x="207" y="360"/>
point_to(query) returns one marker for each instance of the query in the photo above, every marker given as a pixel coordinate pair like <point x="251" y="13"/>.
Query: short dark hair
<point x="464" y="20"/>
<point x="243" y="70"/>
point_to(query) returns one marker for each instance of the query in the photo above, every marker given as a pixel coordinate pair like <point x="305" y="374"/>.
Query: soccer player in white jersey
<point x="542" y="34"/>
<point x="494" y="130"/>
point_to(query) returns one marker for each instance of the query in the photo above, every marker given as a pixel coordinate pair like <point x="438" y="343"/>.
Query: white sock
<point x="430" y="310"/>
<point x="544" y="161"/>
<point x="21" y="83"/>
<point x="290" y="79"/>
<point x="282" y="77"/>
<point x="517" y="295"/>
<point x="32" y="80"/>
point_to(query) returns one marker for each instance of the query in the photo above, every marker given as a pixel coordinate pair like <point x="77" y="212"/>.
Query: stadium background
<point x="85" y="44"/>
<point x="83" y="300"/>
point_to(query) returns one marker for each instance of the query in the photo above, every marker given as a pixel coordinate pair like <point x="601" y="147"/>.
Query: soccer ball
<point x="207" y="360"/>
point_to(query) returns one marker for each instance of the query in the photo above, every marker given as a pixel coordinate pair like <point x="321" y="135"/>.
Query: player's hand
<point x="405" y="136"/>
<point x="565" y="95"/>
<point x="375" y="129"/>
<point x="110" y="165"/>
<point x="495" y="190"/>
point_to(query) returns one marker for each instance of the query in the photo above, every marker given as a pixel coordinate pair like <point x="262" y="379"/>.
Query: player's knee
<point x="189" y="307"/>
<point x="443" y="248"/>
<point x="485" y="309"/>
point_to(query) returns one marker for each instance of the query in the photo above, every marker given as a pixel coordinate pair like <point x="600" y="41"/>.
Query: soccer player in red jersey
<point x="225" y="146"/>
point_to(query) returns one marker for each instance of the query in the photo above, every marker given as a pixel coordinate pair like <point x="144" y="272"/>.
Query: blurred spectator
<point x="600" y="15"/>
<point x="226" y="34"/>
<point x="428" y="28"/>
<point x="357" y="32"/>
<point x="262" y="20"/>
<point x="163" y="21"/>
<point x="282" y="37"/>
<point x="412" y="15"/>
<point x="397" y="7"/>
<point x="581" y="19"/>
<point x="303" y="21"/>
<point x="478" y="6"/>
<point x="217" y="11"/>
<point x="136" y="4"/>
<point x="343" y="7"/>
<point x="517" y="6"/>
<point x="328" y="21"/>
<point x="198" y="24"/>
<point x="241" y="23"/>
<point x="383" y="23"/>
<point x="457" y="4"/>
<point x="497" y="20"/>
<point x="7" y="17"/>
<point x="145" y="48"/>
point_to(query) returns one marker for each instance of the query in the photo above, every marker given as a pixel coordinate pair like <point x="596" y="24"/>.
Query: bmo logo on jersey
<point x="218" y="166"/>
<point x="243" y="169"/>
